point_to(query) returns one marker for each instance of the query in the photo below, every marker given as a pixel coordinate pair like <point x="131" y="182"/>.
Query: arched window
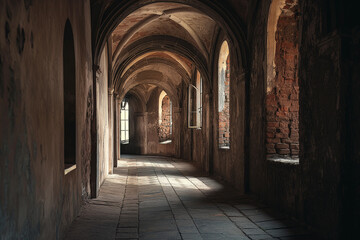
<point x="282" y="90"/>
<point x="224" y="96"/>
<point x="69" y="82"/>
<point x="165" y="118"/>
<point x="124" y="120"/>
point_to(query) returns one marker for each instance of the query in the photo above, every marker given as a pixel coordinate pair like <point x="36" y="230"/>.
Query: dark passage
<point x="179" y="119"/>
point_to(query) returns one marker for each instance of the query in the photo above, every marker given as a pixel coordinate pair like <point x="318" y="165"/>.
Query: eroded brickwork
<point x="282" y="102"/>
<point x="224" y="115"/>
<point x="165" y="125"/>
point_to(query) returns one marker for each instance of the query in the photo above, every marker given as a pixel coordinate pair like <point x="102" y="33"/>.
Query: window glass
<point x="124" y="126"/>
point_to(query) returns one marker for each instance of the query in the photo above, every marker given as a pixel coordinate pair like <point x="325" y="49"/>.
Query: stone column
<point x="111" y="130"/>
<point x="117" y="127"/>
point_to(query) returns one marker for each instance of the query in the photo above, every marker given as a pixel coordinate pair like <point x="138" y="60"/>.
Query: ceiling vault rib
<point x="126" y="38"/>
<point x="167" y="86"/>
<point x="183" y="65"/>
<point x="161" y="43"/>
<point x="138" y="66"/>
<point x="168" y="13"/>
<point x="192" y="33"/>
<point x="171" y="55"/>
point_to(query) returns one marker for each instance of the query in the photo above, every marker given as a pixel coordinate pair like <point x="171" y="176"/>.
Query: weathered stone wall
<point x="102" y="119"/>
<point x="229" y="163"/>
<point x="311" y="191"/>
<point x="37" y="201"/>
<point x="144" y="129"/>
<point x="282" y="101"/>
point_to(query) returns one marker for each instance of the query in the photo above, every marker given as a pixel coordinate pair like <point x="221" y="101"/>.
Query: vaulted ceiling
<point x="157" y="43"/>
<point x="170" y="19"/>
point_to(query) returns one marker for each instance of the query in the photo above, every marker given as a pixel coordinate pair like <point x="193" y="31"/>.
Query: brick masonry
<point x="165" y="125"/>
<point x="224" y="115"/>
<point x="282" y="102"/>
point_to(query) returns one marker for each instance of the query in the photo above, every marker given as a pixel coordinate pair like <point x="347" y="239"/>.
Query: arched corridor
<point x="162" y="50"/>
<point x="179" y="119"/>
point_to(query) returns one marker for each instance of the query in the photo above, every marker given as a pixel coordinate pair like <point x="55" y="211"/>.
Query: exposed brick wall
<point x="165" y="125"/>
<point x="224" y="115"/>
<point x="282" y="102"/>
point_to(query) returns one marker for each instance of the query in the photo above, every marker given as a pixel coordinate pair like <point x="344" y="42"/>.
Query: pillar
<point x="111" y="130"/>
<point x="117" y="127"/>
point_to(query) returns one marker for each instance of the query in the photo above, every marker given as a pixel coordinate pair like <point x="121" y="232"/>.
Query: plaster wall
<point x="103" y="126"/>
<point x="37" y="201"/>
<point x="111" y="135"/>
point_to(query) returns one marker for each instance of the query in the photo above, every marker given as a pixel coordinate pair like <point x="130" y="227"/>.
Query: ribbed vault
<point x="169" y="37"/>
<point x="160" y="43"/>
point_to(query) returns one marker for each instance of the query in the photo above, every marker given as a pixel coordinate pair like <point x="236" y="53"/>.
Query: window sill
<point x="224" y="148"/>
<point x="69" y="168"/>
<point x="284" y="160"/>
<point x="166" y="142"/>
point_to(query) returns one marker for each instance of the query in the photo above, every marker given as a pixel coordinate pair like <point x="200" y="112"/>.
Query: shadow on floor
<point x="162" y="198"/>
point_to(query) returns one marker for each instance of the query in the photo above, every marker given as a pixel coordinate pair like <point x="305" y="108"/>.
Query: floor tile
<point x="152" y="198"/>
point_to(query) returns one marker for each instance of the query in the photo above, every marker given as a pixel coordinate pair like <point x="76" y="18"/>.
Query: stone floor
<point x="162" y="198"/>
